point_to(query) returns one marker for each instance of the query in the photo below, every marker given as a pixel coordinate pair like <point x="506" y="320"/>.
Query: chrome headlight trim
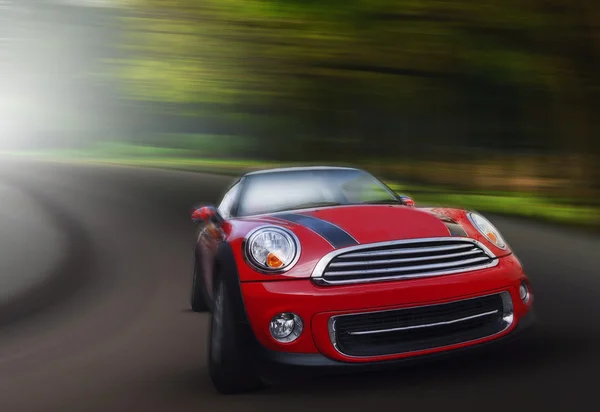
<point x="273" y="228"/>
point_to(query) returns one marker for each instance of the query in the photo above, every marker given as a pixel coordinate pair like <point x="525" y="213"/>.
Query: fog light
<point x="286" y="327"/>
<point x="524" y="293"/>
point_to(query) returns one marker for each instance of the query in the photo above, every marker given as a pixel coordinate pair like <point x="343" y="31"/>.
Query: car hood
<point x="346" y="225"/>
<point x="324" y="230"/>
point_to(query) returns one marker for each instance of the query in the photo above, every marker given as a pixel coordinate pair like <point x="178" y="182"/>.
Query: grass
<point x="506" y="203"/>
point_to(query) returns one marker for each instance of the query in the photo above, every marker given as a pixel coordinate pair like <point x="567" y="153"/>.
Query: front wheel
<point x="231" y="369"/>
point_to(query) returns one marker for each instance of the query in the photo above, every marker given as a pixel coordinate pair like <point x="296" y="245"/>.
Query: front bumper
<point x="316" y="305"/>
<point x="255" y="304"/>
<point x="274" y="363"/>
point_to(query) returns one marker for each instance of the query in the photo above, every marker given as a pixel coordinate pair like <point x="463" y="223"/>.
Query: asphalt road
<point x="20" y="271"/>
<point x="123" y="338"/>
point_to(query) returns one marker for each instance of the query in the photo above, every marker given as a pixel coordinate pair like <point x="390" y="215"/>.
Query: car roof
<point x="299" y="169"/>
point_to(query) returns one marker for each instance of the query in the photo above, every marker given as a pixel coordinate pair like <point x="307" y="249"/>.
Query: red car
<point x="327" y="268"/>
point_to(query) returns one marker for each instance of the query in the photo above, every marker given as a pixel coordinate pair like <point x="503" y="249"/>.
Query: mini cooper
<point x="327" y="268"/>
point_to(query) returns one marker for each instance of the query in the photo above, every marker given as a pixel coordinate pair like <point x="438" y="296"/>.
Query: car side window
<point x="228" y="200"/>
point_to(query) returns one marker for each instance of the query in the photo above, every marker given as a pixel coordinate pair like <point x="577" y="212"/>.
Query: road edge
<point x="64" y="276"/>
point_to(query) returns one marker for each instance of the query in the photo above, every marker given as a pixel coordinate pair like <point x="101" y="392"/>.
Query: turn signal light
<point x="273" y="261"/>
<point x="492" y="236"/>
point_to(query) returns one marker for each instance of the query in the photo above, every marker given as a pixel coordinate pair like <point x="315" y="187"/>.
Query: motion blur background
<point x="490" y="104"/>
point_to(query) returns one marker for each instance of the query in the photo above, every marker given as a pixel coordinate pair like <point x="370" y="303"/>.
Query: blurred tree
<point x="375" y="78"/>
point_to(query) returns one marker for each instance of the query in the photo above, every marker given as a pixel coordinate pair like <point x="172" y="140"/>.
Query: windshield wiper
<point x="307" y="206"/>
<point x="383" y="202"/>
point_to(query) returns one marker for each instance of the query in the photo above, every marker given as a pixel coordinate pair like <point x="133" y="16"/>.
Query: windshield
<point x="288" y="190"/>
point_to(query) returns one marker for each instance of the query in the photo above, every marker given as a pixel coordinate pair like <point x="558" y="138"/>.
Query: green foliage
<point x="228" y="50"/>
<point x="358" y="75"/>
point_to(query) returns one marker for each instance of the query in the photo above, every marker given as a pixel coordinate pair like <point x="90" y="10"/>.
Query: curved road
<point x="123" y="339"/>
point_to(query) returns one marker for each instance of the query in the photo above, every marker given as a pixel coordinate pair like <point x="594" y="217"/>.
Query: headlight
<point x="487" y="230"/>
<point x="272" y="249"/>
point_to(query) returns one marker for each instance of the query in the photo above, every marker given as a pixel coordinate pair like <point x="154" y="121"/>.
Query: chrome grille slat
<point x="407" y="268"/>
<point x="404" y="251"/>
<point x="428" y="325"/>
<point x="403" y="259"/>
<point x="333" y="281"/>
<point x="417" y="328"/>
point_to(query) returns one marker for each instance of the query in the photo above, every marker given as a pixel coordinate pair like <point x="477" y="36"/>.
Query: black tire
<point x="230" y="367"/>
<point x="198" y="298"/>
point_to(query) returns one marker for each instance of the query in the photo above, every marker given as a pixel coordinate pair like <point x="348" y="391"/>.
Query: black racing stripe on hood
<point x="455" y="229"/>
<point x="336" y="236"/>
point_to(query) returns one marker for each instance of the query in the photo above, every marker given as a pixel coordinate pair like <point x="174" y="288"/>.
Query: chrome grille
<point x="404" y="259"/>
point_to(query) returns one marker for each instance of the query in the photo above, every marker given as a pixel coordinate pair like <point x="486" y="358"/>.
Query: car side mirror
<point x="408" y="201"/>
<point x="207" y="214"/>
